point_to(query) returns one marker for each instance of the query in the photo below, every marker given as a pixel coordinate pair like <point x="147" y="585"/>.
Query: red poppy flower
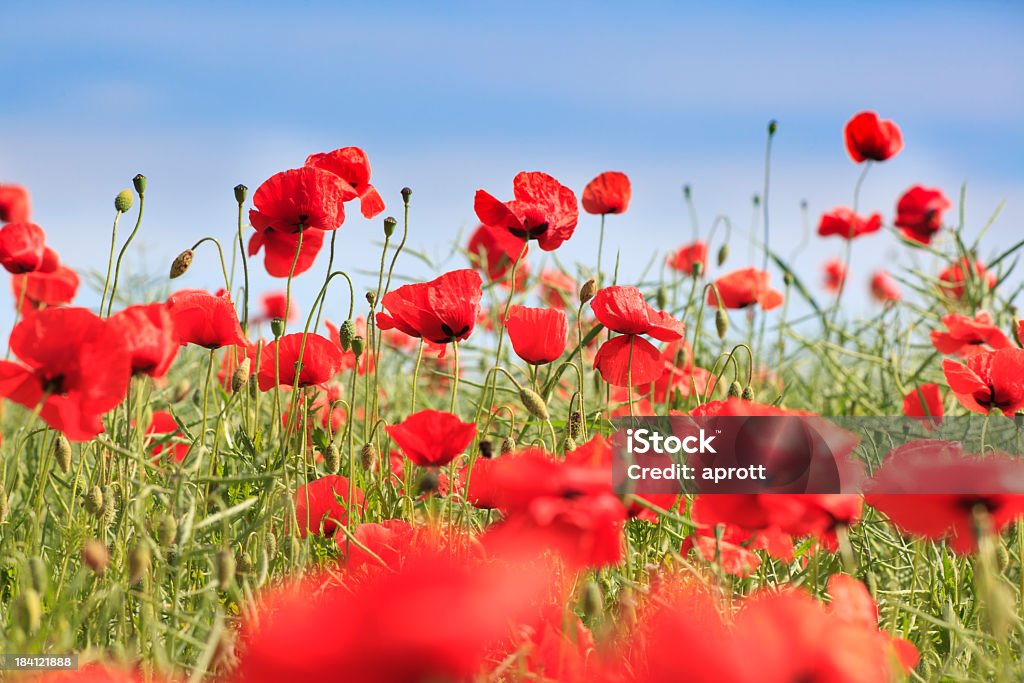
<point x="869" y="138"/>
<point x="853" y="604"/>
<point x="300" y="198"/>
<point x="14" y="204"/>
<point x="22" y="246"/>
<point x="149" y="332"/>
<point x="279" y="250"/>
<point x="678" y="375"/>
<point x="993" y="379"/>
<point x="965" y="336"/>
<point x="320" y="361"/>
<point x="45" y="288"/>
<point x="728" y="546"/>
<point x="432" y="438"/>
<point x="441" y="311"/>
<point x="630" y="358"/>
<point x="205" y="319"/>
<point x="538" y="335"/>
<point x="163" y="425"/>
<point x="493" y="250"/>
<point x="97" y="672"/>
<point x="919" y="213"/>
<point x="884" y="287"/>
<point x="835" y="273"/>
<point x="746" y="287"/>
<point x="607" y="193"/>
<point x="543" y="209"/>
<point x="690" y="258"/>
<point x="556" y="288"/>
<point x="275" y="305"/>
<point x="351" y="165"/>
<point x="950" y="485"/>
<point x="75" y="364"/>
<point x="845" y="223"/>
<point x="924" y="402"/>
<point x="322" y="505"/>
<point x="558" y="648"/>
<point x="954" y="278"/>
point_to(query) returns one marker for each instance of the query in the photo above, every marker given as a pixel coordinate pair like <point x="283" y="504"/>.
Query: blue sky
<point x="464" y="95"/>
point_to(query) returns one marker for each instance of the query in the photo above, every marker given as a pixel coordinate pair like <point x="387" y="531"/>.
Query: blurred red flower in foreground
<point x="556" y="288"/>
<point x="543" y="209"/>
<point x="205" y="319"/>
<point x="966" y="336"/>
<point x="441" y="311"/>
<point x="149" y="332"/>
<point x="323" y="504"/>
<point x="844" y="222"/>
<point x="351" y="165"/>
<point x="919" y="213"/>
<point x="630" y="359"/>
<point x="884" y="288"/>
<point x="965" y="491"/>
<point x="14" y="204"/>
<point x="96" y="673"/>
<point x="746" y="287"/>
<point x="76" y="366"/>
<point x="869" y="138"/>
<point x="607" y="193"/>
<point x="538" y="335"/>
<point x="989" y="380"/>
<point x="22" y="246"/>
<point x="279" y="256"/>
<point x="431" y="438"/>
<point x="835" y="273"/>
<point x="320" y="361"/>
<point x="493" y="250"/>
<point x="299" y="199"/>
<point x="954" y="278"/>
<point x="690" y="258"/>
<point x="925" y="402"/>
<point x="53" y="284"/>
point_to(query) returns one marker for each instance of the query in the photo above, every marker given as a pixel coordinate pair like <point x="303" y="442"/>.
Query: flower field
<point x="415" y="483"/>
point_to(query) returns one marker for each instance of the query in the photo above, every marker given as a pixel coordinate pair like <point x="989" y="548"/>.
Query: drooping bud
<point x="244" y="564"/>
<point x="575" y="424"/>
<point x="757" y="200"/>
<point x="28" y="611"/>
<point x="225" y="568"/>
<point x="508" y="444"/>
<point x="371" y="298"/>
<point x="369" y="456"/>
<point x="534" y="404"/>
<point x="358" y="344"/>
<point x="124" y="200"/>
<point x="96" y="556"/>
<point x="240" y="376"/>
<point x="486" y="449"/>
<point x="773" y="126"/>
<point x="661" y="297"/>
<point x="270" y="545"/>
<point x="345" y="334"/>
<point x="687" y="191"/>
<point x="166" y="530"/>
<point x="94" y="500"/>
<point x="588" y="290"/>
<point x="62" y="453"/>
<point x="241" y="192"/>
<point x="723" y="253"/>
<point x="748" y="393"/>
<point x="721" y="322"/>
<point x="406" y="193"/>
<point x="332" y="458"/>
<point x="182" y="263"/>
<point x="139" y="181"/>
<point x="389" y="226"/>
<point x="735" y="389"/>
<point x="277" y="327"/>
<point x="37" y="572"/>
<point x="139" y="560"/>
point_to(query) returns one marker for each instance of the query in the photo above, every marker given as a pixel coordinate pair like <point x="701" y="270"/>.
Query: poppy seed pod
<point x="723" y="253"/>
<point x="371" y="298"/>
<point x="277" y="327"/>
<point x="588" y="290"/>
<point x="96" y="556"/>
<point x="345" y="334"/>
<point x="181" y="263"/>
<point x="534" y="404"/>
<point x="389" y="226"/>
<point x="62" y="453"/>
<point x="406" y="193"/>
<point x="240" y="376"/>
<point x="369" y="456"/>
<point x="139" y="181"/>
<point x="241" y="192"/>
<point x="508" y="444"/>
<point x="358" y="344"/>
<point x="721" y="322"/>
<point x="28" y="611"/>
<point x="332" y="458"/>
<point x="139" y="560"/>
<point x="735" y="389"/>
<point x="124" y="200"/>
<point x="225" y="568"/>
<point x="94" y="500"/>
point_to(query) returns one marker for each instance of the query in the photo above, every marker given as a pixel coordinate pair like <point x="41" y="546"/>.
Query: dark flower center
<point x="54" y="385"/>
<point x="451" y="334"/>
<point x="528" y="232"/>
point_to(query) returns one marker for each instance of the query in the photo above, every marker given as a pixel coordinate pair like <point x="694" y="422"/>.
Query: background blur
<point x="465" y="95"/>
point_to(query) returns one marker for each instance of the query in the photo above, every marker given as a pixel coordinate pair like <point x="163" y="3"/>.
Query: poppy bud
<point x="592" y="600"/>
<point x="569" y="444"/>
<point x="369" y="456"/>
<point x="277" y="327"/>
<point x="244" y="564"/>
<point x="661" y="297"/>
<point x="721" y="322"/>
<point x="588" y="290"/>
<point x="109" y="508"/>
<point x="94" y="500"/>
<point x="486" y="449"/>
<point x="241" y="192"/>
<point x="4" y="507"/>
<point x="166" y="530"/>
<point x="139" y="559"/>
<point x="748" y="393"/>
<point x="508" y="444"/>
<point x="406" y="193"/>
<point x="428" y="483"/>
<point x="389" y="226"/>
<point x="124" y="200"/>
<point x="687" y="191"/>
<point x="28" y="611"/>
<point x="96" y="556"/>
<point x="696" y="269"/>
<point x="534" y="404"/>
<point x="240" y="376"/>
<point x="139" y="181"/>
<point x="62" y="452"/>
<point x="37" y="572"/>
<point x="1002" y="557"/>
<point x="181" y="263"/>
<point x="723" y="253"/>
<point x="735" y="389"/>
<point x="787" y="279"/>
<point x="225" y="568"/>
<point x="803" y="204"/>
<point x="575" y="424"/>
<point x="270" y="545"/>
<point x="773" y="126"/>
<point x="345" y="334"/>
<point x="332" y="458"/>
<point x="371" y="298"/>
<point x="358" y="344"/>
<point x="757" y="200"/>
